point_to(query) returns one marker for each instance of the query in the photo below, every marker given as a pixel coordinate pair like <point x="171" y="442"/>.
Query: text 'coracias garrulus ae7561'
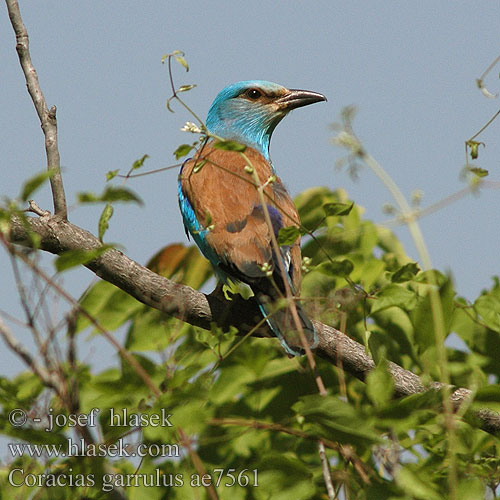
<point x="224" y="211"/>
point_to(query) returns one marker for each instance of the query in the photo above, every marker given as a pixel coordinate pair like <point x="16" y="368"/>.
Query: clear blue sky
<point x="409" y="68"/>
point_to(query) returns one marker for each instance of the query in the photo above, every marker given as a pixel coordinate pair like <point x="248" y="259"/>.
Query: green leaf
<point x="400" y="409"/>
<point x="422" y="318"/>
<point x="488" y="307"/>
<point x="109" y="195"/>
<point x="72" y="258"/>
<point x="288" y="235"/>
<point x="416" y="486"/>
<point x="233" y="380"/>
<point x="335" y="419"/>
<point x="199" y="166"/>
<point x="340" y="268"/>
<point x="394" y="295"/>
<point x="338" y="208"/>
<point x="229" y="146"/>
<point x="431" y="277"/>
<point x="107" y="213"/>
<point x="149" y="332"/>
<point x="379" y="384"/>
<point x="480" y="172"/>
<point x="405" y="273"/>
<point x="185" y="88"/>
<point x="188" y="407"/>
<point x="32" y="184"/>
<point x="107" y="304"/>
<point x="275" y="478"/>
<point x="140" y="162"/>
<point x="179" y="57"/>
<point x="111" y="174"/>
<point x="5" y="221"/>
<point x="489" y="397"/>
<point x="474" y="149"/>
<point x="470" y="487"/>
<point x="182" y="150"/>
<point x="310" y="206"/>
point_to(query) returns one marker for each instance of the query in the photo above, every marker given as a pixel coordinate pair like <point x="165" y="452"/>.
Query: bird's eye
<point x="254" y="94"/>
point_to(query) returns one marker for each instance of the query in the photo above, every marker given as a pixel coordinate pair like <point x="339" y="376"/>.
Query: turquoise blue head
<point x="248" y="111"/>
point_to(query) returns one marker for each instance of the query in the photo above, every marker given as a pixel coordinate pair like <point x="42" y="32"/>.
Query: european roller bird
<point x="224" y="213"/>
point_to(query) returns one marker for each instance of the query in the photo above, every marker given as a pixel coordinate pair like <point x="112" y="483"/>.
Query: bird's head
<point x="249" y="111"/>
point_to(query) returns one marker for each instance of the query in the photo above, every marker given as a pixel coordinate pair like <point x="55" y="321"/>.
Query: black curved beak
<point x="298" y="98"/>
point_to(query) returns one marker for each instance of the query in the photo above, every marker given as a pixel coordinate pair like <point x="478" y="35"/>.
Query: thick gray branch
<point x="201" y="310"/>
<point x="47" y="116"/>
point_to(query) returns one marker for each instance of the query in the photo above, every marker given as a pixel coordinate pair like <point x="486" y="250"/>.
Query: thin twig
<point x="198" y="464"/>
<point x="176" y="96"/>
<point x="345" y="451"/>
<point x="256" y="424"/>
<point x="350" y="141"/>
<point x="14" y="345"/>
<point x="480" y="83"/>
<point x="325" y="466"/>
<point x="149" y="172"/>
<point x="486" y="125"/>
<point x="126" y="355"/>
<point x="489" y="68"/>
<point x="325" y="469"/>
<point x="47" y="116"/>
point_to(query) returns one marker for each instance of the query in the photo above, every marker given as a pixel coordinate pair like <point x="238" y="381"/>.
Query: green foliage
<point x="183" y="150"/>
<point x="185" y="88"/>
<point x="110" y="194"/>
<point x="288" y="235"/>
<point x="474" y="148"/>
<point x="405" y="273"/>
<point x="103" y="225"/>
<point x="139" y="163"/>
<point x="73" y="258"/>
<point x="338" y="208"/>
<point x="199" y="166"/>
<point x="229" y="146"/>
<point x="111" y="174"/>
<point x="255" y="409"/>
<point x="179" y="57"/>
<point x="31" y="185"/>
<point x="480" y="172"/>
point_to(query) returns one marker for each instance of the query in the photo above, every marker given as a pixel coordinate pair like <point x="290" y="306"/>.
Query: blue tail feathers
<point x="282" y="324"/>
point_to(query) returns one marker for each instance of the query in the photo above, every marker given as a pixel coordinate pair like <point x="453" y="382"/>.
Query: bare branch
<point x="201" y="310"/>
<point x="325" y="467"/>
<point x="47" y="116"/>
<point x="125" y="354"/>
<point x="45" y="377"/>
<point x="33" y="207"/>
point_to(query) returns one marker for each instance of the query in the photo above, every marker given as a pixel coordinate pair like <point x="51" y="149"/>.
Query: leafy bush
<point x="251" y="417"/>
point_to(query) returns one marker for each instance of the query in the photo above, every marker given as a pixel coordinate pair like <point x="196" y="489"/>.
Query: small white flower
<point x="306" y="264"/>
<point x="191" y="127"/>
<point x="267" y="269"/>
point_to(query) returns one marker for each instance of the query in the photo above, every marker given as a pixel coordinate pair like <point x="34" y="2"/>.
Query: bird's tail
<point x="282" y="324"/>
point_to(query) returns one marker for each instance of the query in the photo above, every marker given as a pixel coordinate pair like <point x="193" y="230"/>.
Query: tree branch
<point x="47" y="116"/>
<point x="58" y="235"/>
<point x="48" y="379"/>
<point x="201" y="310"/>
